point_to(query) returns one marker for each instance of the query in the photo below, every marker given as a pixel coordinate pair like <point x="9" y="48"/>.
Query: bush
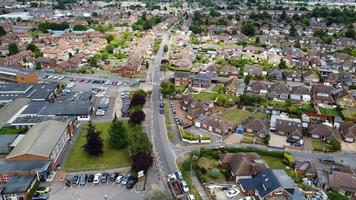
<point x="335" y="145"/>
<point x="214" y="173"/>
<point x="188" y="136"/>
<point x="187" y="164"/>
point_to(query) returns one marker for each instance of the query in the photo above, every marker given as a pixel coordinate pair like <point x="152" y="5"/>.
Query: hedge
<point x="188" y="136"/>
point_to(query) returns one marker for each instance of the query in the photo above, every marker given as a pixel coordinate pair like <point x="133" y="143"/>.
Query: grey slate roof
<point x="40" y="139"/>
<point x="18" y="184"/>
<point x="24" y="166"/>
<point x="38" y="91"/>
<point x="6" y="140"/>
<point x="9" y="110"/>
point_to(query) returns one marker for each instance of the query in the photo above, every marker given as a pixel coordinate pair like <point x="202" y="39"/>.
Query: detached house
<point x="300" y="93"/>
<point x="214" y="124"/>
<point x="201" y="81"/>
<point x="348" y="131"/>
<point x="182" y="78"/>
<point x="293" y="76"/>
<point x="322" y="94"/>
<point x="259" y="88"/>
<point x="322" y="131"/>
<point x="257" y="126"/>
<point x="195" y="108"/>
<point x="254" y="70"/>
<point x="345" y="99"/>
<point x="278" y="90"/>
<point x="242" y="165"/>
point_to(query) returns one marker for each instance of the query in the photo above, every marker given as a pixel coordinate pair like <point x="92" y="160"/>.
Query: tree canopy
<point x="118" y="135"/>
<point x="13" y="48"/>
<point x="95" y="144"/>
<point x="248" y="29"/>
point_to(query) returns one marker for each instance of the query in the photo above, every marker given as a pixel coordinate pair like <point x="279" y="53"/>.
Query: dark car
<point x="161" y="111"/>
<point x="114" y="176"/>
<point x="131" y="182"/>
<point x="75" y="180"/>
<point x="326" y="159"/>
<point x="297" y="144"/>
<point x="38" y="196"/>
<point x="161" y="105"/>
<point x="104" y="177"/>
<point x="291" y="140"/>
<point x="90" y="178"/>
<point x="83" y="179"/>
<point x="68" y="182"/>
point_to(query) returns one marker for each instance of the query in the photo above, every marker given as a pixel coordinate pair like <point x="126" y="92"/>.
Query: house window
<point x="278" y="192"/>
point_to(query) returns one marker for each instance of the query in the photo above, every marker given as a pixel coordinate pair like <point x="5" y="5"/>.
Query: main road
<point x="163" y="148"/>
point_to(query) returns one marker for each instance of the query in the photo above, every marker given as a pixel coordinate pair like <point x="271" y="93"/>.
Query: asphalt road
<point x="162" y="146"/>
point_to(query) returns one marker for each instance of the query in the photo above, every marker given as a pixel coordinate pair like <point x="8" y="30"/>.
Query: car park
<point x="83" y="179"/>
<point x="38" y="196"/>
<point x="42" y="190"/>
<point x="97" y="178"/>
<point x="184" y="186"/>
<point x="233" y="192"/>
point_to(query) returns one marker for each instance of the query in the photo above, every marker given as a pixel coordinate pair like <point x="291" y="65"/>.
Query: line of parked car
<point x="54" y="77"/>
<point x="128" y="180"/>
<point x="103" y="106"/>
<point x="125" y="98"/>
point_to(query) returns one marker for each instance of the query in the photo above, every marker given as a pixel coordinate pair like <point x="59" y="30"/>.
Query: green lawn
<point x="272" y="162"/>
<point x="329" y="112"/>
<point x="111" y="158"/>
<point x="170" y="132"/>
<point x="317" y="145"/>
<point x="349" y="113"/>
<point x="205" y="96"/>
<point x="11" y="130"/>
<point x="236" y="116"/>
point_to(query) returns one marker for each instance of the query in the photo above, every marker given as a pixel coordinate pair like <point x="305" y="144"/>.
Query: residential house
<point x="278" y="90"/>
<point x="17" y="60"/>
<point x="306" y="169"/>
<point x="212" y="69"/>
<point x="256" y="126"/>
<point x="254" y="70"/>
<point x="214" y="124"/>
<point x="277" y="74"/>
<point x="235" y="86"/>
<point x="195" y="108"/>
<point x="291" y="127"/>
<point x="242" y="165"/>
<point x="293" y="76"/>
<point x="230" y="71"/>
<point x="259" y="88"/>
<point x="44" y="141"/>
<point x="300" y="93"/>
<point x="182" y="78"/>
<point x="322" y="94"/>
<point x="345" y="99"/>
<point x="271" y="184"/>
<point x="201" y="81"/>
<point x="310" y="77"/>
<point x="322" y="131"/>
<point x="342" y="180"/>
<point x="348" y="131"/>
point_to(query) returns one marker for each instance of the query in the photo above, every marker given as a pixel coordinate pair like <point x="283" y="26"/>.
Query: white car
<point x="232" y="193"/>
<point x="184" y="186"/>
<point x="191" y="197"/>
<point x="50" y="76"/>
<point x="55" y="77"/>
<point x="100" y="112"/>
<point x="247" y="198"/>
<point x="97" y="178"/>
<point x="119" y="179"/>
<point x="61" y="78"/>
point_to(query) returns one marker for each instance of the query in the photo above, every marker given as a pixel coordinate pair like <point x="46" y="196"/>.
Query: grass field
<point x="272" y="162"/>
<point x="111" y="158"/>
<point x="329" y="112"/>
<point x="236" y="116"/>
<point x="205" y="96"/>
<point x="10" y="130"/>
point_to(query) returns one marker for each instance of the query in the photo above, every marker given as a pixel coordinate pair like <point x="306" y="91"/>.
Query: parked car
<point x="161" y="111"/>
<point x="75" y="180"/>
<point x="97" y="178"/>
<point x="191" y="197"/>
<point x="38" y="196"/>
<point x="327" y="159"/>
<point x="131" y="182"/>
<point x="90" y="178"/>
<point x="179" y="175"/>
<point x="232" y="193"/>
<point x="291" y="140"/>
<point x="68" y="182"/>
<point x="104" y="178"/>
<point x="114" y="176"/>
<point x="42" y="190"/>
<point x="100" y="112"/>
<point x="125" y="179"/>
<point x="119" y="179"/>
<point x="83" y="179"/>
<point x="161" y="105"/>
<point x="247" y="198"/>
<point x="184" y="186"/>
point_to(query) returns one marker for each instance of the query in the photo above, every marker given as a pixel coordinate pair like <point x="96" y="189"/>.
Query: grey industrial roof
<point x="8" y="139"/>
<point x="40" y="139"/>
<point x="36" y="119"/>
<point x="34" y="107"/>
<point x="10" y="109"/>
<point x="14" y="70"/>
<point x="24" y="166"/>
<point x="38" y="91"/>
<point x="283" y="178"/>
<point x="19" y="184"/>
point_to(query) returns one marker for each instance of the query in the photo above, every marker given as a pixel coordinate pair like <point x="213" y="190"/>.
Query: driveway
<point x="348" y="147"/>
<point x="277" y="141"/>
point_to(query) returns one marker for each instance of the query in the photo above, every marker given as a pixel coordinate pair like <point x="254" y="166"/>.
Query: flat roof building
<point x="17" y="75"/>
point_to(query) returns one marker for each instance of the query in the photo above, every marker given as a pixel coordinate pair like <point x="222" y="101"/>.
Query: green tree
<point x="13" y="48"/>
<point x="141" y="161"/>
<point x="350" y="33"/>
<point x="283" y="15"/>
<point x="335" y="145"/>
<point x="80" y="27"/>
<point x="32" y="47"/>
<point x="137" y="116"/>
<point x="2" y="31"/>
<point x="167" y="88"/>
<point x="282" y="64"/>
<point x="95" y="144"/>
<point x="214" y="173"/>
<point x="247" y="79"/>
<point x="293" y="31"/>
<point x="334" y="194"/>
<point x="138" y="141"/>
<point x="118" y="135"/>
<point x="110" y="38"/>
<point x="248" y="29"/>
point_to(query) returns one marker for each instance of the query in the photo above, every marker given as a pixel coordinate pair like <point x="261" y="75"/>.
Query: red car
<point x="82" y="80"/>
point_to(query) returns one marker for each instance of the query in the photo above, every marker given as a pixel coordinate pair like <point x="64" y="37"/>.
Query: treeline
<point x="43" y="27"/>
<point x="334" y="15"/>
<point x="145" y="23"/>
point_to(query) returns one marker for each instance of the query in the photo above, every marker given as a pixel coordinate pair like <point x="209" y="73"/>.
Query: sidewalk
<point x="198" y="186"/>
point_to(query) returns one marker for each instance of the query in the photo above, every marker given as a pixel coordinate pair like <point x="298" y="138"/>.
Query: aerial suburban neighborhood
<point x="190" y="100"/>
